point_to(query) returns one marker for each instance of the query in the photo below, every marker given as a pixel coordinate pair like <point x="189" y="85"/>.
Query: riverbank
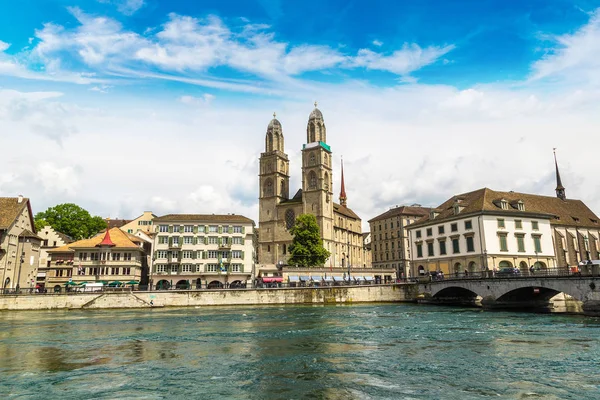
<point x="216" y="297"/>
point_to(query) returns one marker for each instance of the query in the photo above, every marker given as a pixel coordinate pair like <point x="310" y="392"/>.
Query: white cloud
<point x="402" y="62"/>
<point x="126" y="7"/>
<point x="205" y="99"/>
<point x="4" y="45"/>
<point x="55" y="179"/>
<point x="575" y="56"/>
<point x="377" y="43"/>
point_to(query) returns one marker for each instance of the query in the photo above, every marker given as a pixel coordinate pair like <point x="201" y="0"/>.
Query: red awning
<point x="273" y="279"/>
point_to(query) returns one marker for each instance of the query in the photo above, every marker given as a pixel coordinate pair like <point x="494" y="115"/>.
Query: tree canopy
<point x="71" y="220"/>
<point x="307" y="246"/>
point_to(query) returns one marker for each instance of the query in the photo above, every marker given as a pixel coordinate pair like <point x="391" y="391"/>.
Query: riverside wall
<point x="195" y="298"/>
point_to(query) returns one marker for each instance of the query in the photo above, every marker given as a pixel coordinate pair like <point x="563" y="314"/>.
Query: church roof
<point x="415" y="211"/>
<point x="119" y="239"/>
<point x="315" y="114"/>
<point x="296" y="199"/>
<point x="344" y="211"/>
<point x="274" y="123"/>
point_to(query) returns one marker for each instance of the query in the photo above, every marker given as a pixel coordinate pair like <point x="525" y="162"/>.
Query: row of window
<point x="470" y="245"/>
<point x="192" y="254"/>
<point x="201" y="228"/>
<point x="469" y="226"/>
<point x="385" y="224"/>
<point x="520" y="239"/>
<point x="175" y="268"/>
<point x="518" y="224"/>
<point x="105" y="256"/>
<point x="176" y="240"/>
<point x="104" y="271"/>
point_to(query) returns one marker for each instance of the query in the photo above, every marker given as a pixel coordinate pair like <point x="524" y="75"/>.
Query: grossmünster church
<point x="340" y="227"/>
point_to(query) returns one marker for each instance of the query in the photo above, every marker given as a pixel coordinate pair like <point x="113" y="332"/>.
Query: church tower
<point x="560" y="189"/>
<point x="317" y="190"/>
<point x="274" y="179"/>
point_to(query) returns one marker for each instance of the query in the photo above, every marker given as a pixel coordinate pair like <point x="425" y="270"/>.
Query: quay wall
<point x="217" y="297"/>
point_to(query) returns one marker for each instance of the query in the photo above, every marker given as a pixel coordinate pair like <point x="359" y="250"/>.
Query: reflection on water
<point x="332" y="352"/>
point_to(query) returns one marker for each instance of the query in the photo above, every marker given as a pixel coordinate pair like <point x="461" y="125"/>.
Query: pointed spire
<point x="560" y="189"/>
<point x="343" y="197"/>
<point x="107" y="240"/>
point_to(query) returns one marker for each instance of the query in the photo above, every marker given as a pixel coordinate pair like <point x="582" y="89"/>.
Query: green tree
<point x="71" y="220"/>
<point x="307" y="246"/>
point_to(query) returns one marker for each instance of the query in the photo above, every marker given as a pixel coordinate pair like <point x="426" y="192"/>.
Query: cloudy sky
<point x="123" y="106"/>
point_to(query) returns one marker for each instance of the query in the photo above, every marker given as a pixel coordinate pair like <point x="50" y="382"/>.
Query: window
<point x="213" y="228"/>
<point x="186" y="268"/>
<point x="430" y="249"/>
<point x="520" y="206"/>
<point x="238" y="229"/>
<point x="442" y="247"/>
<point x="188" y="240"/>
<point x="163" y="239"/>
<point x="213" y="254"/>
<point x="455" y="246"/>
<point x="127" y="256"/>
<point x="236" y="267"/>
<point x="520" y="243"/>
<point x="441" y="230"/>
<point x="470" y="244"/>
<point x="504" y="204"/>
<point x="188" y="228"/>
<point x="290" y="219"/>
<point x="537" y="244"/>
<point x="174" y="268"/>
<point x="501" y="223"/>
<point x="211" y="267"/>
<point x="236" y="254"/>
<point x="418" y="234"/>
<point x="213" y="240"/>
<point x="94" y="256"/>
<point x="116" y="256"/>
<point x="126" y="271"/>
<point x="174" y="254"/>
<point x="114" y="271"/>
<point x="518" y="224"/>
<point x="175" y="240"/>
<point x="535" y="225"/>
<point x="503" y="244"/>
<point x="187" y="254"/>
<point x="237" y="240"/>
<point x="419" y="250"/>
<point x="82" y="256"/>
<point x="429" y="231"/>
<point x="163" y="228"/>
<point x="468" y="225"/>
<point x="454" y="227"/>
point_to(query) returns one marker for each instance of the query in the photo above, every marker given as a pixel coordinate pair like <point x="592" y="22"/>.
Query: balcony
<point x="224" y="245"/>
<point x="175" y="245"/>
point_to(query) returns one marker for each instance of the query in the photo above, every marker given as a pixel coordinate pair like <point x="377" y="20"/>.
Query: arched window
<point x="325" y="159"/>
<point x="268" y="189"/>
<point x="312" y="180"/>
<point x="313" y="159"/>
<point x="283" y="191"/>
<point x="312" y="133"/>
<point x="326" y="181"/>
<point x="290" y="219"/>
<point x="270" y="142"/>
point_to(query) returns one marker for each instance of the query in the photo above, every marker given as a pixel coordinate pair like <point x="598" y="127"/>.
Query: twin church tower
<point x="340" y="227"/>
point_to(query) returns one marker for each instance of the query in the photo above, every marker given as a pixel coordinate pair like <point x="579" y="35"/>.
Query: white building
<point x="193" y="250"/>
<point x="486" y="230"/>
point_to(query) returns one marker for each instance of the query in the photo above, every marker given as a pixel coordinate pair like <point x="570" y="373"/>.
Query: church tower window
<point x="290" y="219"/>
<point x="268" y="189"/>
<point x="312" y="180"/>
<point x="313" y="159"/>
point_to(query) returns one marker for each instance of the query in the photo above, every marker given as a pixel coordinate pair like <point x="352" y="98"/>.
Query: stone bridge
<point x="545" y="293"/>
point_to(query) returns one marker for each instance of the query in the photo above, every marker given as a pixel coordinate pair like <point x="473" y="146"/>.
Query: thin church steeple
<point x="560" y="189"/>
<point x="343" y="197"/>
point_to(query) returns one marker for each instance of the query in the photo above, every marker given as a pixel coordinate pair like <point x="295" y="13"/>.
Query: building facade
<point x="51" y="239"/>
<point x="487" y="230"/>
<point x="143" y="223"/>
<point x="390" y="247"/>
<point x="19" y="244"/>
<point x="341" y="228"/>
<point x="110" y="256"/>
<point x="199" y="251"/>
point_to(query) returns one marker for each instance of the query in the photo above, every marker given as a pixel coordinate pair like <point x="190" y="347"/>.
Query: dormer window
<point x="433" y="214"/>
<point x="457" y="209"/>
<point x="504" y="204"/>
<point x="575" y="219"/>
<point x="520" y="206"/>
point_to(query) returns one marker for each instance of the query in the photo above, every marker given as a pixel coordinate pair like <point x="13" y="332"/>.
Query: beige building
<point x="51" y="239"/>
<point x="340" y="227"/>
<point x="390" y="246"/>
<point x="368" y="249"/>
<point x="199" y="251"/>
<point x="110" y="256"/>
<point x="19" y="245"/>
<point x="143" y="223"/>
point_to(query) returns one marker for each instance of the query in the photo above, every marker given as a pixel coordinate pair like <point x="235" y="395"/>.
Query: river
<point x="393" y="351"/>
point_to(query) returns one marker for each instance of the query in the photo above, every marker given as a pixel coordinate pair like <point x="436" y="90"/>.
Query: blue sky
<point x="448" y="78"/>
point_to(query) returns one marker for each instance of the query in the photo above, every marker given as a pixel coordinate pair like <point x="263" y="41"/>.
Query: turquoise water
<point x="313" y="352"/>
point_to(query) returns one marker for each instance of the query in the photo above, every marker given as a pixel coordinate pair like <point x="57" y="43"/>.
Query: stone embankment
<point x="194" y="298"/>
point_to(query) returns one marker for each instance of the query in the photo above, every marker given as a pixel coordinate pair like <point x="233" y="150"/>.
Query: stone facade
<point x="390" y="246"/>
<point x="340" y="227"/>
<point x="199" y="251"/>
<point x="19" y="245"/>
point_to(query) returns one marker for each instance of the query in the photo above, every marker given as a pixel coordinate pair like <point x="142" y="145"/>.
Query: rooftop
<point x="204" y="218"/>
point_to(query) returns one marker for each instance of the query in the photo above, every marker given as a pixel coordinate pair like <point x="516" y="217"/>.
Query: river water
<point x="394" y="351"/>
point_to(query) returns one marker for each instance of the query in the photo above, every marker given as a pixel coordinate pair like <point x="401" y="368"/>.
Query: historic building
<point x="340" y="226"/>
<point x="143" y="223"/>
<point x="486" y="230"/>
<point x="390" y="246"/>
<point x="110" y="256"/>
<point x="51" y="239"/>
<point x="19" y="245"/>
<point x="199" y="251"/>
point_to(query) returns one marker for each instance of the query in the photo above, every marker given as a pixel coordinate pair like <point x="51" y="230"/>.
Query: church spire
<point x="560" y="189"/>
<point x="343" y="197"/>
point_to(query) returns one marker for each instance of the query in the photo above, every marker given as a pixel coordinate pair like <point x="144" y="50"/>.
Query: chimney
<point x="20" y="199"/>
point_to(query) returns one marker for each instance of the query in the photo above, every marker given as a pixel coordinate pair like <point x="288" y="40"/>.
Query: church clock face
<point x="290" y="219"/>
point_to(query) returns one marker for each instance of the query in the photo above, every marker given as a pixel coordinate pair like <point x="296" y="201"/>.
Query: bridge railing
<point x="514" y="274"/>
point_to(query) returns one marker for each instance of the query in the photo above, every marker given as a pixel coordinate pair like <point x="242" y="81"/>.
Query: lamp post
<point x="18" y="287"/>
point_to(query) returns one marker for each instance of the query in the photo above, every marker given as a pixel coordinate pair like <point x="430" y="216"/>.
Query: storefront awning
<point x="272" y="279"/>
<point x="293" y="278"/>
<point x="305" y="278"/>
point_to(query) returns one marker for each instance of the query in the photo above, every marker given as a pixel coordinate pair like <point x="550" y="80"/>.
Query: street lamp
<point x="19" y="273"/>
